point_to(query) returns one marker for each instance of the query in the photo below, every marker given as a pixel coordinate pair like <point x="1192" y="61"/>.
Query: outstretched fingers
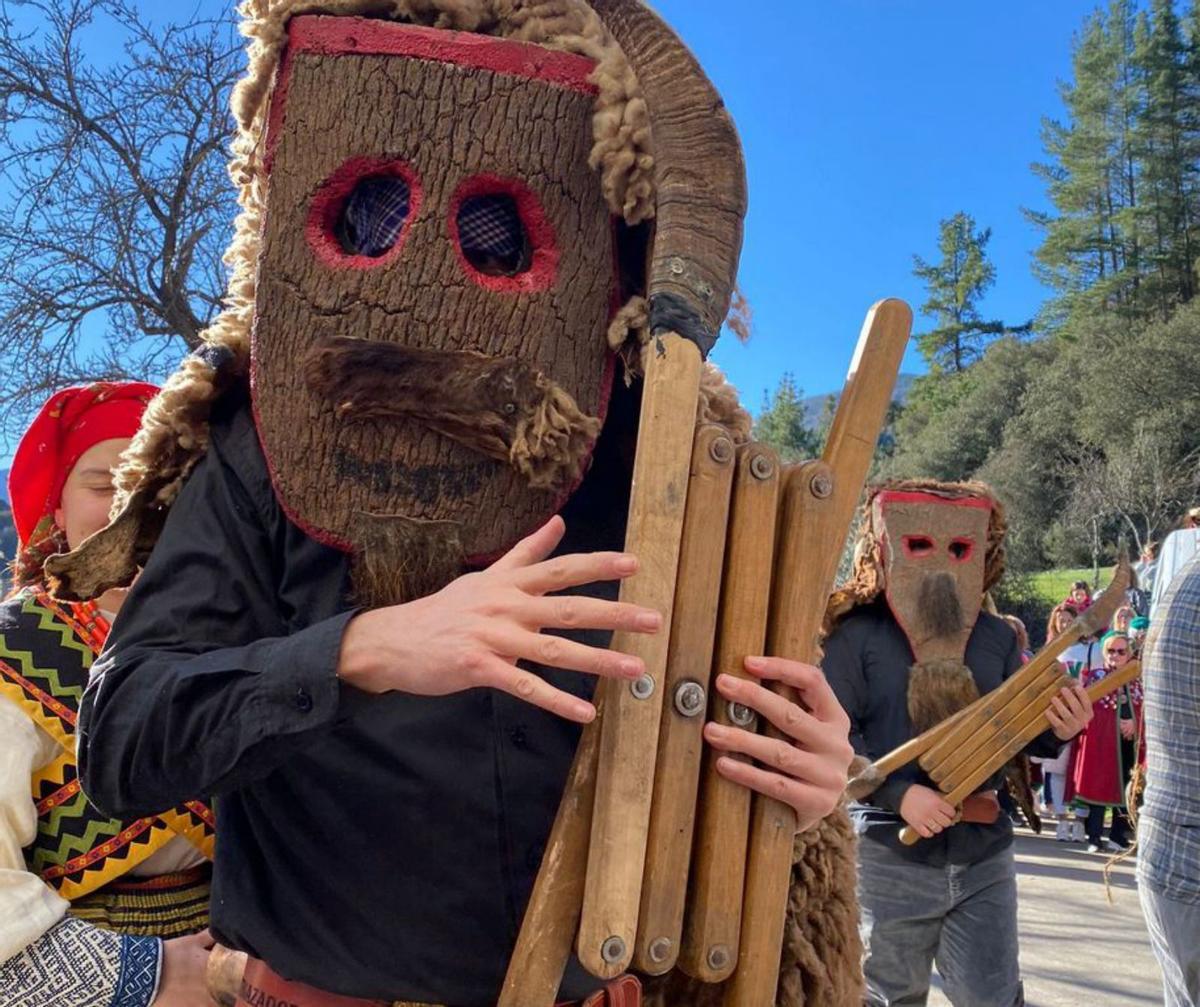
<point x="533" y="548"/>
<point x="496" y="673"/>
<point x="575" y="570"/>
<point x="570" y="611"/>
<point x="559" y="652"/>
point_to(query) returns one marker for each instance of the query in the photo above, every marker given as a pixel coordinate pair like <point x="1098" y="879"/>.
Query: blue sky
<point x="864" y="123"/>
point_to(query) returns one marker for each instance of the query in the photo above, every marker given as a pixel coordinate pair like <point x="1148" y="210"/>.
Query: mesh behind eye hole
<point x="373" y="216"/>
<point x="492" y="235"/>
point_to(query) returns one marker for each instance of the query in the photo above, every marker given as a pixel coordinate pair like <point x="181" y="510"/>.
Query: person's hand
<point x="473" y="632"/>
<point x="183" y="969"/>
<point x="806" y="768"/>
<point x="1069" y="712"/>
<point x="1127" y="728"/>
<point x="926" y="810"/>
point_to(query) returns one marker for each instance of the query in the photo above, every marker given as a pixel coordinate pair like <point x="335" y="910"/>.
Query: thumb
<point x="204" y="938"/>
<point x="533" y="548"/>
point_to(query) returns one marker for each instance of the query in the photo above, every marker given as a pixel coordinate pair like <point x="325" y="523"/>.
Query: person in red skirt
<point x="1106" y="751"/>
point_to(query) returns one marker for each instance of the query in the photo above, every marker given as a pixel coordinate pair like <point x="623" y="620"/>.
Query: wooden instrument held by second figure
<point x="965" y="750"/>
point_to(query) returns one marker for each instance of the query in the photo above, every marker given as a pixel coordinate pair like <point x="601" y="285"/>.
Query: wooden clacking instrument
<point x="964" y="751"/>
<point x="768" y="538"/>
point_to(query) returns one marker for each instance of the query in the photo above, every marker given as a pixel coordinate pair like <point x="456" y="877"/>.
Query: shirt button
<point x="518" y="738"/>
<point x="304" y="701"/>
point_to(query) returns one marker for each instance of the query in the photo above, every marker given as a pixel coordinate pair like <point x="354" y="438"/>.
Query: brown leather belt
<point x="261" y="987"/>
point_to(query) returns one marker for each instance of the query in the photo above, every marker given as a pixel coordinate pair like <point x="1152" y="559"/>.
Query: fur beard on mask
<point x="937" y="690"/>
<point x="938" y="606"/>
<point x="400" y="559"/>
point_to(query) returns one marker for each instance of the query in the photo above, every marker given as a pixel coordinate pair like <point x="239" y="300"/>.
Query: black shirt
<point x="373" y="846"/>
<point x="867" y="660"/>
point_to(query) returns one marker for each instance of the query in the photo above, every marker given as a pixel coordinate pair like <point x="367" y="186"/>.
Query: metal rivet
<point x="822" y="486"/>
<point x="718" y="957"/>
<point x="721" y="450"/>
<point x="643" y="688"/>
<point x="660" y="949"/>
<point x="740" y="715"/>
<point x="761" y="467"/>
<point x="689" y="699"/>
<point x="613" y="950"/>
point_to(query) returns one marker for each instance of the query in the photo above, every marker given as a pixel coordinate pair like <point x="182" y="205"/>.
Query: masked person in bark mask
<point x="907" y="647"/>
<point x="389" y="494"/>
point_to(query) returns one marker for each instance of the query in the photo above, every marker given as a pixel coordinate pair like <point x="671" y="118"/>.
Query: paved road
<point x="1077" y="948"/>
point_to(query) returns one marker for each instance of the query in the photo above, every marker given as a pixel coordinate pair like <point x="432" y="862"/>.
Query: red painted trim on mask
<point x="319" y="230"/>
<point x="903" y="496"/>
<point x="543" y="268"/>
<point x="359" y="36"/>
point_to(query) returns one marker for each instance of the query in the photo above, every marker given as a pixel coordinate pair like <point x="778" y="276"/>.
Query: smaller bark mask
<point x="933" y="553"/>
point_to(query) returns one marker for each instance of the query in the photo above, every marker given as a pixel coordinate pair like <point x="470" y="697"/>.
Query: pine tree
<point x="955" y="284"/>
<point x="1090" y="250"/>
<point x="1167" y="155"/>
<point x="781" y="424"/>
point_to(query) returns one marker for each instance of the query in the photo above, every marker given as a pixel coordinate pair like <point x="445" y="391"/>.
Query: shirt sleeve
<point x="75" y="964"/>
<point x="28" y="906"/>
<point x="202" y="689"/>
<point x="843" y="669"/>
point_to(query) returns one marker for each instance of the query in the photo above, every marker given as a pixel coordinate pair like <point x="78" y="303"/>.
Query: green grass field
<point x="1052" y="586"/>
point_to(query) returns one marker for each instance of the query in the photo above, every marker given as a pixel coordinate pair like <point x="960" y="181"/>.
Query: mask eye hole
<point x="373" y="216"/>
<point x="917" y="546"/>
<point x="492" y="237"/>
<point x="362" y="213"/>
<point x="961" y="549"/>
<point x="502" y="236"/>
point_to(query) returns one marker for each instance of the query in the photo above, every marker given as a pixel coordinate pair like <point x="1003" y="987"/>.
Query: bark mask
<point x="437" y="272"/>
<point x="933" y="552"/>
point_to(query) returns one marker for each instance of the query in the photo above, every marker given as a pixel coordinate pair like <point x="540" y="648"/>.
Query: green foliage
<point x="954" y="286"/>
<point x="1121" y="170"/>
<point x="782" y="423"/>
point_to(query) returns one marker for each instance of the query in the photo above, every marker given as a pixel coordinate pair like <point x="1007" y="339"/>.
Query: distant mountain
<point x="815" y="404"/>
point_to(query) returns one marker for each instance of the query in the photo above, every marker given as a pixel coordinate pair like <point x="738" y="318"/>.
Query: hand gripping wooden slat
<point x="713" y="919"/>
<point x="818" y="507"/>
<point x="1032" y="723"/>
<point x="629" y="730"/>
<point x="689" y="666"/>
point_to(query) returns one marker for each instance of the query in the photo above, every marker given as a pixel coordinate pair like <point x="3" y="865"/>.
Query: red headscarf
<point x="73" y="421"/>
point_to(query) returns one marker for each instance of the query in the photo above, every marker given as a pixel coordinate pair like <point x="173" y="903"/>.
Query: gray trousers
<point x="963" y="918"/>
<point x="1175" y="936"/>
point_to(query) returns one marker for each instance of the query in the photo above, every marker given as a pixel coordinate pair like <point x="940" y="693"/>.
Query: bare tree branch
<point x="116" y="206"/>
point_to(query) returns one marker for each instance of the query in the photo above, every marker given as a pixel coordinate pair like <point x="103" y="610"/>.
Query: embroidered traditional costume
<point x="83" y="897"/>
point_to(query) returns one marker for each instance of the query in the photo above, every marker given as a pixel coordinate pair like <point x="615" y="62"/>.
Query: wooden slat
<point x="712" y="923"/>
<point x="680" y="739"/>
<point x="629" y="732"/>
<point x="1033" y="724"/>
<point x="818" y="509"/>
<point x="548" y="929"/>
<point x="995" y="725"/>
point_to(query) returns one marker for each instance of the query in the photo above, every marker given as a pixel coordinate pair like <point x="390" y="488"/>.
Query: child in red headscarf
<point x="84" y="900"/>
